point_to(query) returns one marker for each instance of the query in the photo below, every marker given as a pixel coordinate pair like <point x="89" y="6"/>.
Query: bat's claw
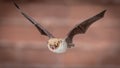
<point x="70" y="45"/>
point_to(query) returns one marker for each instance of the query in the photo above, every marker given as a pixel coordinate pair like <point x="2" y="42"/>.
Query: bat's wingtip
<point x="101" y="14"/>
<point x="16" y="4"/>
<point x="104" y="11"/>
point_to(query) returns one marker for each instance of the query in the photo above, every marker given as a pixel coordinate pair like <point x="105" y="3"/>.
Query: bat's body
<point x="57" y="45"/>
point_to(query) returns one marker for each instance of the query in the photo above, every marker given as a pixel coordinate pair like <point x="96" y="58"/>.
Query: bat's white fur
<point x="61" y="48"/>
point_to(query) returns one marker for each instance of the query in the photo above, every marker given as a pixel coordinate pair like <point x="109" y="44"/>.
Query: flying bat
<point x="58" y="45"/>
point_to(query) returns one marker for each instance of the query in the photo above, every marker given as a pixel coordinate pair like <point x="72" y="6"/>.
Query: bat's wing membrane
<point x="82" y="27"/>
<point x="41" y="29"/>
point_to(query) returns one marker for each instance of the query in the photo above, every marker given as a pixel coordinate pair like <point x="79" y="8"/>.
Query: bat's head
<point x="57" y="45"/>
<point x="54" y="43"/>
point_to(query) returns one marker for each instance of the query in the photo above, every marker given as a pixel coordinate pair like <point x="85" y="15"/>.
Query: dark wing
<point x="41" y="29"/>
<point x="82" y="27"/>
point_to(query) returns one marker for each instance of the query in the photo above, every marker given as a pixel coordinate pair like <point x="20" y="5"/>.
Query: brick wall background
<point x="22" y="46"/>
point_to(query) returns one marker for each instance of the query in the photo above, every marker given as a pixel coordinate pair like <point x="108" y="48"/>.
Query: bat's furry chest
<point x="57" y="45"/>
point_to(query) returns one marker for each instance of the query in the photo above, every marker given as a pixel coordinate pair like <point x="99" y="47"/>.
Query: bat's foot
<point x="70" y="45"/>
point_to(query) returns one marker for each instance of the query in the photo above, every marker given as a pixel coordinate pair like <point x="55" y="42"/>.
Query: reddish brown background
<point x="22" y="46"/>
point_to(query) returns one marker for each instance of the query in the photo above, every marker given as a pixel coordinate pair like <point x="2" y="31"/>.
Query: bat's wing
<point x="82" y="27"/>
<point x="41" y="29"/>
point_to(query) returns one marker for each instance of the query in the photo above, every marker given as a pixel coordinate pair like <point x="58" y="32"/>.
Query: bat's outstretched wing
<point x="82" y="27"/>
<point x="41" y="29"/>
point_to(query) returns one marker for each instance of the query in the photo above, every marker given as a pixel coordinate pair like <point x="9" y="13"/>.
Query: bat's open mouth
<point x="54" y="46"/>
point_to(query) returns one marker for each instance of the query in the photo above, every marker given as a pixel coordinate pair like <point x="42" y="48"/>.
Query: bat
<point x="60" y="45"/>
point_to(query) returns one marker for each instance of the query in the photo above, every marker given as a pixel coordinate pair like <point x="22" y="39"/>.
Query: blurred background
<point x="22" y="46"/>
